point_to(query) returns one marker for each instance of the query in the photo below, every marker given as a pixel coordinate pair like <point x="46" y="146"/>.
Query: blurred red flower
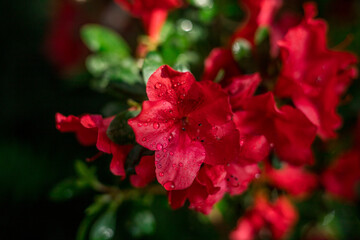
<point x="312" y="75"/>
<point x="277" y="218"/>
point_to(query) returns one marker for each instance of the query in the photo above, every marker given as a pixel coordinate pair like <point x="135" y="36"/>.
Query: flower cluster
<point x="203" y="139"/>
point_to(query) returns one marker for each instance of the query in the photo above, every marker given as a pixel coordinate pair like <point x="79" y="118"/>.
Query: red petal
<point x="220" y="59"/>
<point x="238" y="177"/>
<point x="312" y="75"/>
<point x="254" y="148"/>
<point x="295" y="180"/>
<point x="241" y="88"/>
<point x="86" y="136"/>
<point x="119" y="153"/>
<point x="287" y="128"/>
<point x="145" y="172"/>
<point x="157" y="124"/>
<point x="170" y="85"/>
<point x="178" y="164"/>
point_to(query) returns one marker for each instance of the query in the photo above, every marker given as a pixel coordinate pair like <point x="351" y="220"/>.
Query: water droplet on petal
<point x="139" y="124"/>
<point x="158" y="155"/>
<point x="169" y="186"/>
<point x="161" y="174"/>
<point x="145" y="124"/>
<point x="159" y="146"/>
<point x="272" y="145"/>
<point x="203" y="153"/>
<point x="171" y="154"/>
<point x="257" y="176"/>
<point x="156" y="162"/>
<point x="157" y="85"/>
<point x="181" y="164"/>
<point x="164" y="150"/>
<point x="174" y="164"/>
<point x="148" y="120"/>
<point x="144" y="139"/>
<point x="156" y="125"/>
<point x="241" y="143"/>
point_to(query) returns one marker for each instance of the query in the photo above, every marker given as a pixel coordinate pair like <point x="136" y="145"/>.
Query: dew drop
<point x="157" y="85"/>
<point x="158" y="155"/>
<point x="174" y="164"/>
<point x="164" y="150"/>
<point x="171" y="153"/>
<point x="181" y="164"/>
<point x="159" y="146"/>
<point x="169" y="186"/>
<point x="203" y="153"/>
<point x="145" y="124"/>
<point x="161" y="174"/>
<point x="139" y="124"/>
<point x="144" y="139"/>
<point x="241" y="143"/>
<point x="156" y="125"/>
<point x="148" y="120"/>
<point x="156" y="162"/>
<point x="271" y="145"/>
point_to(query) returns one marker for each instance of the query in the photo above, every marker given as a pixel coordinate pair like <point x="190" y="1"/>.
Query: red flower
<point x="145" y="172"/>
<point x="187" y="123"/>
<point x="312" y="75"/>
<point x="238" y="86"/>
<point x="260" y="13"/>
<point x="91" y="130"/>
<point x="152" y="12"/>
<point x="211" y="183"/>
<point x="220" y="59"/>
<point x="277" y="217"/>
<point x="342" y="177"/>
<point x="295" y="180"/>
<point x="86" y="136"/>
<point x="286" y="129"/>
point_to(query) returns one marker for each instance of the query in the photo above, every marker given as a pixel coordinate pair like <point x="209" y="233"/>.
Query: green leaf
<point x="68" y="189"/>
<point x="104" y="226"/>
<point x="276" y="163"/>
<point x="134" y="156"/>
<point x="241" y="49"/>
<point x="101" y="39"/>
<point x="142" y="223"/>
<point x="152" y="62"/>
<point x="92" y="212"/>
<point x="261" y="34"/>
<point x="119" y="130"/>
<point x="84" y="172"/>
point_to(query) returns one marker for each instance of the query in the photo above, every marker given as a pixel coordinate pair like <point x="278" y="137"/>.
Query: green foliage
<point x="152" y="62"/>
<point x="103" y="40"/>
<point x="119" y="130"/>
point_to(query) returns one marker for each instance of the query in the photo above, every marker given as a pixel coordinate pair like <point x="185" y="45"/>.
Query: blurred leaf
<point x="261" y="34"/>
<point x="101" y="39"/>
<point x="91" y="213"/>
<point x="134" y="156"/>
<point x="142" y="223"/>
<point x="241" y="49"/>
<point x="86" y="173"/>
<point x="68" y="189"/>
<point x="119" y="130"/>
<point x="104" y="226"/>
<point x="152" y="62"/>
<point x="275" y="162"/>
